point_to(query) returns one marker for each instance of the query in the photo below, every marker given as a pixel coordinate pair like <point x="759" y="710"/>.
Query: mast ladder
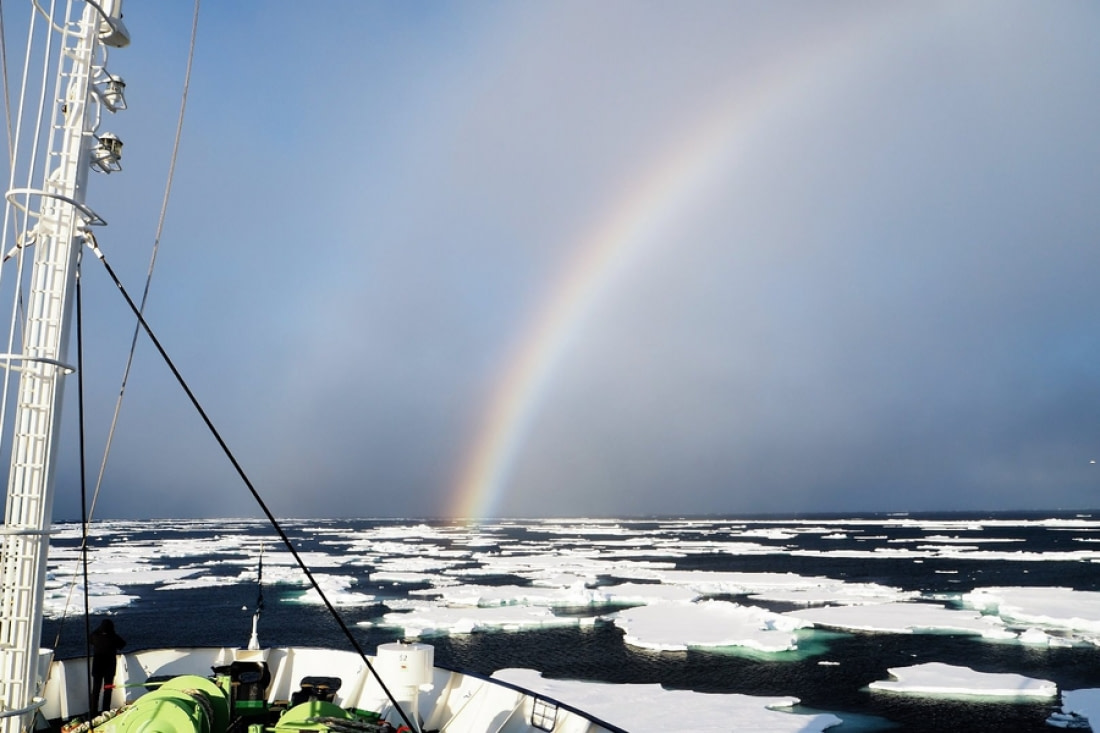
<point x="57" y="218"/>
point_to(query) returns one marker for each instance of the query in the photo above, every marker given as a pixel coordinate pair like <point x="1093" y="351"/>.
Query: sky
<point x="601" y="259"/>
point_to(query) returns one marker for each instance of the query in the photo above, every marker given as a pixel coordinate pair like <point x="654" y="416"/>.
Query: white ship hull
<point x="455" y="702"/>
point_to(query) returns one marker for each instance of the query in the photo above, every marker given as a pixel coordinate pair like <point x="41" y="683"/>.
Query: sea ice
<point x="646" y="708"/>
<point x="741" y="583"/>
<point x="60" y="601"/>
<point x="904" y="618"/>
<point x="1048" y="608"/>
<point x="575" y="595"/>
<point x="583" y="527"/>
<point x="594" y="564"/>
<point x="64" y="591"/>
<point x="681" y="626"/>
<point x="936" y="678"/>
<point x="444" y="621"/>
<point x="407" y="577"/>
<point x="838" y="592"/>
<point x="336" y="589"/>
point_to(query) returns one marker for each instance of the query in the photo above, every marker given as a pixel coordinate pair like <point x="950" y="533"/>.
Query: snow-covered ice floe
<point x="936" y="678"/>
<point x="1059" y="609"/>
<point x="435" y="621"/>
<point x="905" y="618"/>
<point x="681" y="626"/>
<point x="645" y="708"/>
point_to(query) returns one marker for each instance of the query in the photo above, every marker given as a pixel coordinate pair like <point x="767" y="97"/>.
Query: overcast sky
<point x="604" y="258"/>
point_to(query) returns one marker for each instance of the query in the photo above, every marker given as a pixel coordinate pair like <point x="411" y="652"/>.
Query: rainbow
<point x="680" y="176"/>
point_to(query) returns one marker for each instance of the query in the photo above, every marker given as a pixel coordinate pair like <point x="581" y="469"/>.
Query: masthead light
<point x="107" y="154"/>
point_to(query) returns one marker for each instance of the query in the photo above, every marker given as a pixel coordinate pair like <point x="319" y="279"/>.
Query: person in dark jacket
<point x="105" y="647"/>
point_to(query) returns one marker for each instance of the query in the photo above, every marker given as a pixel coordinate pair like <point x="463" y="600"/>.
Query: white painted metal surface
<point x="49" y="217"/>
<point x="454" y="702"/>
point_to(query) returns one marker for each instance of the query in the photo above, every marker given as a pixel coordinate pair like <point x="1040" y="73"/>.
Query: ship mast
<point x="49" y="213"/>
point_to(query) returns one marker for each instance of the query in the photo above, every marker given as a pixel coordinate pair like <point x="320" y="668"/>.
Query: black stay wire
<point x="244" y="477"/>
<point x="83" y="482"/>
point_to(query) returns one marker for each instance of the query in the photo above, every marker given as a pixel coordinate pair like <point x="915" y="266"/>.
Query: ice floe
<point x="682" y="626"/>
<point x="337" y="588"/>
<point x="574" y="595"/>
<point x="426" y="621"/>
<point x="905" y="618"/>
<point x="936" y="678"/>
<point x="645" y="708"/>
<point x="1062" y="609"/>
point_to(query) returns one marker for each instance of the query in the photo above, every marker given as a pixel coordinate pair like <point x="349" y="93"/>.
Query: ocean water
<point x="379" y="567"/>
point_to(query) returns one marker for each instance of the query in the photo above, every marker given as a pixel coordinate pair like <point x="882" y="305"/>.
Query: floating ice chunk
<point x="1059" y="608"/>
<point x="950" y="552"/>
<point x="550" y="563"/>
<point x="904" y="618"/>
<point x="444" y="621"/>
<point x="580" y="527"/>
<point x="1068" y="720"/>
<point x="771" y="533"/>
<point x="734" y="582"/>
<point x="335" y="588"/>
<point x="645" y="708"/>
<point x="574" y="596"/>
<point x="62" y="601"/>
<point x="133" y="575"/>
<point x="626" y="593"/>
<point x="680" y="626"/>
<point x="404" y="577"/>
<point x="838" y="592"/>
<point x="561" y="580"/>
<point x="203" y="581"/>
<point x="415" y="564"/>
<point x="1035" y="637"/>
<point x="276" y="558"/>
<point x="510" y="595"/>
<point x="948" y="540"/>
<point x="936" y="678"/>
<point x="64" y="593"/>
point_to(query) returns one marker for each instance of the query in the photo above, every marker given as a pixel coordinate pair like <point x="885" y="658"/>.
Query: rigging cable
<point x="244" y="477"/>
<point x="88" y="511"/>
<point x="83" y="486"/>
<point x="7" y="96"/>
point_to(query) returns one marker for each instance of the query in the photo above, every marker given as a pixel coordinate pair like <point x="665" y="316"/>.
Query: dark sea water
<point x="1011" y="550"/>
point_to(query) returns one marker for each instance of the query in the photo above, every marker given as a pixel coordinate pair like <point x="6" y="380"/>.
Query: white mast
<point x="48" y="213"/>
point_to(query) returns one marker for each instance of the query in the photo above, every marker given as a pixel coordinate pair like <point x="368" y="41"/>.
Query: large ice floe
<point x="682" y="626"/>
<point x="644" y="708"/>
<point x="1065" y="610"/>
<point x="905" y="618"/>
<point x="936" y="678"/>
